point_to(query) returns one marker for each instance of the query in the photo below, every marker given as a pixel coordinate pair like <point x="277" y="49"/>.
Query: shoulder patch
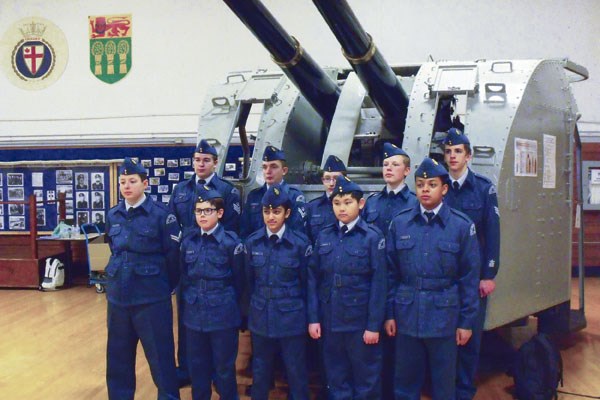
<point x="381" y="244"/>
<point x="176" y="238"/>
<point x="308" y="251"/>
<point x="473" y="231"/>
<point x="492" y="189"/>
<point x="171" y="218"/>
<point x="302" y="212"/>
<point x="237" y="208"/>
<point x="300" y="198"/>
<point x="492" y="264"/>
<point x="235" y="190"/>
<point x="238" y="249"/>
<point x="496" y="210"/>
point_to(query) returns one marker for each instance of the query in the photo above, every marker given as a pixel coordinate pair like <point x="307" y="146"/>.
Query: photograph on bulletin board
<point x="82" y="181"/>
<point x="82" y="200"/>
<point x="97" y="181"/>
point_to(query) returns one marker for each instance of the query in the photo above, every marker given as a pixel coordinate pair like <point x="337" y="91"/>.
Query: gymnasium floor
<point x="52" y="347"/>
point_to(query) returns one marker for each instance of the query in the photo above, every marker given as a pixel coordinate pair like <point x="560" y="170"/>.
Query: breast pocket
<point x="291" y="313"/>
<point x="218" y="266"/>
<point x="257" y="265"/>
<point x="356" y="260"/>
<point x="449" y="256"/>
<point x="405" y="249"/>
<point x="182" y="204"/>
<point x="474" y="209"/>
<point x="288" y="270"/>
<point x="255" y="215"/>
<point x="146" y="239"/>
<point x="445" y="316"/>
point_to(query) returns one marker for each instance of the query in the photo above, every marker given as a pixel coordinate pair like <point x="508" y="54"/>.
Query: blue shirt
<point x="276" y="279"/>
<point x="477" y="198"/>
<point x="144" y="243"/>
<point x="252" y="218"/>
<point x="184" y="198"/>
<point x="382" y="207"/>
<point x="347" y="279"/>
<point x="433" y="275"/>
<point x="212" y="279"/>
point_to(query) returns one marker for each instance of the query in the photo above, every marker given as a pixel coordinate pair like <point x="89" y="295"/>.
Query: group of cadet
<point x="391" y="286"/>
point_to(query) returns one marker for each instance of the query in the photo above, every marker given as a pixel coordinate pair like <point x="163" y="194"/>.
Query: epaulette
<point x="300" y="235"/>
<point x="404" y="211"/>
<point x="481" y="177"/>
<point x="232" y="235"/>
<point x="255" y="235"/>
<point x="161" y="205"/>
<point x="376" y="229"/>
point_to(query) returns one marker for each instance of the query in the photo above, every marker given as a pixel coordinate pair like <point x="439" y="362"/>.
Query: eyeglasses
<point x="204" y="211"/>
<point x="328" y="179"/>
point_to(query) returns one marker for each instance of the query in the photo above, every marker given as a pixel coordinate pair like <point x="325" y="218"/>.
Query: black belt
<point x="204" y="284"/>
<point x="421" y="283"/>
<point x="340" y="280"/>
<point x="269" y="292"/>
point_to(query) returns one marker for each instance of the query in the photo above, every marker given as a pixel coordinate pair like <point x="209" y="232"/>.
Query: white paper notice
<point x="37" y="179"/>
<point x="526" y="157"/>
<point x="549" y="180"/>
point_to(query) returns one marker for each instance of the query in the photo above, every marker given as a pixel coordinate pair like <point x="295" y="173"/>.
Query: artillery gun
<point x="520" y="116"/>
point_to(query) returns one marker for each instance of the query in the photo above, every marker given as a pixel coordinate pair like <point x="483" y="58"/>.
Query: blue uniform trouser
<point x="152" y="324"/>
<point x="293" y="352"/>
<point x="468" y="358"/>
<point x="212" y="351"/>
<point x="182" y="364"/>
<point x="412" y="357"/>
<point x="388" y="345"/>
<point x="353" y="367"/>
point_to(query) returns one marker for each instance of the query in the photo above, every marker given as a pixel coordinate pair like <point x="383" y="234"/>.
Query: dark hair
<point x="143" y="176"/>
<point x="466" y="146"/>
<point x="217" y="203"/>
<point x="356" y="195"/>
<point x="286" y="206"/>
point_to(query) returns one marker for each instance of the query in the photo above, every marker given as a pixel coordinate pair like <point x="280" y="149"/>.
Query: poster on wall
<point x="33" y="53"/>
<point x="110" y="46"/>
<point x="526" y="161"/>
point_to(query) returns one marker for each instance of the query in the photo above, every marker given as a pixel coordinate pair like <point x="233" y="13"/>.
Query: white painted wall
<point x="182" y="47"/>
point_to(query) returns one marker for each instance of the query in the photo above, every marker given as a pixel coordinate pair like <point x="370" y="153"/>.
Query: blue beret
<point x="205" y="148"/>
<point x="275" y="197"/>
<point x="272" y="153"/>
<point x="430" y="168"/>
<point x="334" y="164"/>
<point x="206" y="193"/>
<point x="131" y="167"/>
<point x="455" y="137"/>
<point x="390" y="150"/>
<point x="343" y="185"/>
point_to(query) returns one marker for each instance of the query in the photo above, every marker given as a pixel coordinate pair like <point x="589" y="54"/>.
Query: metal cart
<point x="97" y="278"/>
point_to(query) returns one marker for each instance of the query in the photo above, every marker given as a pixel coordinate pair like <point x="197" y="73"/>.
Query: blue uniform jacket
<point x="252" y="218"/>
<point x="145" y="249"/>
<point x="276" y="279"/>
<point x="433" y="273"/>
<point x="319" y="213"/>
<point x="212" y="280"/>
<point x="184" y="197"/>
<point x="382" y="207"/>
<point x="347" y="279"/>
<point x="477" y="198"/>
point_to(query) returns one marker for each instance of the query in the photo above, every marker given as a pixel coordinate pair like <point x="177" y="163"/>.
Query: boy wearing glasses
<point x="319" y="211"/>
<point x="274" y="169"/>
<point x="205" y="161"/>
<point x="276" y="259"/>
<point x="211" y="285"/>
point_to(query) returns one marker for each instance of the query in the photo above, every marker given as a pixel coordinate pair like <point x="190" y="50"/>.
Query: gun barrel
<point x="374" y="72"/>
<point x="316" y="86"/>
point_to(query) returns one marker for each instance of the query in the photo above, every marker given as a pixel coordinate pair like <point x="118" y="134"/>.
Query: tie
<point x="344" y="229"/>
<point x="273" y="238"/>
<point x="201" y="182"/>
<point x="429" y="215"/>
<point x="130" y="211"/>
<point x="204" y="235"/>
<point x="455" y="185"/>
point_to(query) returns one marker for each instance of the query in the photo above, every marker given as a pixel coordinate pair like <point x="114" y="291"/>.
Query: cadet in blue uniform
<point x="432" y="303"/>
<point x="319" y="211"/>
<point x="347" y="277"/>
<point x="182" y="205"/>
<point x="141" y="273"/>
<point x="276" y="265"/>
<point x="475" y="195"/>
<point x="274" y="169"/>
<point x="212" y="282"/>
<point x="382" y="207"/>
